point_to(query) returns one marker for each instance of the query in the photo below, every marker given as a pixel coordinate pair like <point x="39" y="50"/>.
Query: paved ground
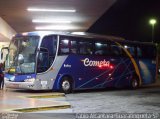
<point x="11" y="100"/>
<point x="143" y="100"/>
<point x="131" y="101"/>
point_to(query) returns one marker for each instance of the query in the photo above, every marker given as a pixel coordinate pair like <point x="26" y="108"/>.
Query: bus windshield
<point x="22" y="55"/>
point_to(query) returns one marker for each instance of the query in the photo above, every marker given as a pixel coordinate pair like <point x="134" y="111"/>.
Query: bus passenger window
<point x="64" y="46"/>
<point x="85" y="48"/>
<point x="146" y="51"/>
<point x="74" y="47"/>
<point x="101" y="48"/>
<point x="139" y="52"/>
<point x="116" y="50"/>
<point x="131" y="49"/>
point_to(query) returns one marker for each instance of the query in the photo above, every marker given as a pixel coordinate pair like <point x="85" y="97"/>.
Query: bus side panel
<point x="88" y="74"/>
<point x="123" y="73"/>
<point x="148" y="70"/>
<point x="50" y="76"/>
<point x="71" y="67"/>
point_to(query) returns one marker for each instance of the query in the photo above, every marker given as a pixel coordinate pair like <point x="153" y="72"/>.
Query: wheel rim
<point x="135" y="83"/>
<point x="65" y="85"/>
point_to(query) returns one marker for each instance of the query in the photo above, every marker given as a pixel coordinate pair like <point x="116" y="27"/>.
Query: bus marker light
<point x="80" y="79"/>
<point x="100" y="66"/>
<point x="111" y="67"/>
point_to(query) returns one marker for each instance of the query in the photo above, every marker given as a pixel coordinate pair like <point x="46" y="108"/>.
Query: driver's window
<point x="47" y="53"/>
<point x="43" y="61"/>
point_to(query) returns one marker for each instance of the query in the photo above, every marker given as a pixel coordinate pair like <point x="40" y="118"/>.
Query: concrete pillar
<point x="6" y="33"/>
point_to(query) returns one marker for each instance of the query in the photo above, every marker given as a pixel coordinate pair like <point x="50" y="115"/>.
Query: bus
<point x="67" y="62"/>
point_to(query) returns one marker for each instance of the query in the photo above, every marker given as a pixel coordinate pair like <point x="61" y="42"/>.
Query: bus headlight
<point x="6" y="79"/>
<point x="30" y="80"/>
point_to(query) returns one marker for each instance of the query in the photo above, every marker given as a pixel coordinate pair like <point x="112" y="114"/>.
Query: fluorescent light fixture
<point x="54" y="27"/>
<point x="98" y="44"/>
<point x="50" y="21"/>
<point x="50" y="10"/>
<point x="78" y="33"/>
<point x="25" y="34"/>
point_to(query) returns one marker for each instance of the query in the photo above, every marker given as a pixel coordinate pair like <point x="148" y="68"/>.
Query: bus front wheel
<point x="66" y="85"/>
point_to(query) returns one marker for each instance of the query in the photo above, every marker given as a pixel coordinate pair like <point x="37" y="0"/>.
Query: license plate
<point x="14" y="85"/>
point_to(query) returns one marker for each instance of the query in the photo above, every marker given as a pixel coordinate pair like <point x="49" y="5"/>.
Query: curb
<point x="47" y="96"/>
<point x="42" y="108"/>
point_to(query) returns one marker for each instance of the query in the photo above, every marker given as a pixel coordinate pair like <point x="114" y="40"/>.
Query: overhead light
<point x="78" y="33"/>
<point x="25" y="34"/>
<point x="50" y="21"/>
<point x="54" y="27"/>
<point x="98" y="44"/>
<point x="50" y="10"/>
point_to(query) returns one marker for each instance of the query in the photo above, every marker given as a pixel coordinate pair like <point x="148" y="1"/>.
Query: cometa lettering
<point x="92" y="63"/>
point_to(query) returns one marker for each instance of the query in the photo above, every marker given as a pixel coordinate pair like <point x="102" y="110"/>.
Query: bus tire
<point x="134" y="83"/>
<point x="66" y="85"/>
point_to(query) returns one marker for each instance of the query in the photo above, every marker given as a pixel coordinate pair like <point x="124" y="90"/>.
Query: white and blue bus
<point x="67" y="62"/>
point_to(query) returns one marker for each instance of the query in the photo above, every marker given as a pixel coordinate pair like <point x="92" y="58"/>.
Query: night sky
<point x="130" y="19"/>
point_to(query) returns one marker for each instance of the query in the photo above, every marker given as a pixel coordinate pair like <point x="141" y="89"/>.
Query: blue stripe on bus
<point x="19" y="78"/>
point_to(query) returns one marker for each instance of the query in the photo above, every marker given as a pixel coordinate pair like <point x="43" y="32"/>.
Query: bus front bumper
<point x="20" y="85"/>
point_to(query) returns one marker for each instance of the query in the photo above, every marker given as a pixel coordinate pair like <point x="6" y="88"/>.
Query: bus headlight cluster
<point x="6" y="79"/>
<point x="30" y="80"/>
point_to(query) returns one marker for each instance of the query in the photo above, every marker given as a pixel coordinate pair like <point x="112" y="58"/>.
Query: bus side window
<point x="68" y="46"/>
<point x="102" y="48"/>
<point x="64" y="46"/>
<point x="74" y="47"/>
<point x="131" y="50"/>
<point x="146" y="51"/>
<point x="85" y="48"/>
<point x="116" y="50"/>
<point x="139" y="52"/>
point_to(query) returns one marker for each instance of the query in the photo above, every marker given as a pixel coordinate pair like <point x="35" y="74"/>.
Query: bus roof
<point x="84" y="35"/>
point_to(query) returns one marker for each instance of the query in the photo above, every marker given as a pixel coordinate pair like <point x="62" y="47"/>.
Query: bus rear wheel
<point x="134" y="83"/>
<point x="66" y="85"/>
